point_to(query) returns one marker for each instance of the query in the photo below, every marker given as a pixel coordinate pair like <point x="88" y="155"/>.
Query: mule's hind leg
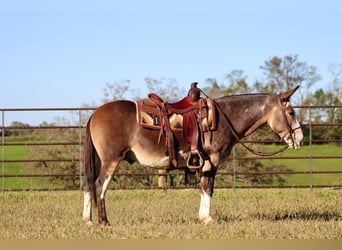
<point x="86" y="215"/>
<point x="101" y="184"/>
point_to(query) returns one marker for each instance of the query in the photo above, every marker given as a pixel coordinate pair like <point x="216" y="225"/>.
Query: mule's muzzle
<point x="294" y="138"/>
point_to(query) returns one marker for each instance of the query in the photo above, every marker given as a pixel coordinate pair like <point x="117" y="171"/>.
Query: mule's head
<point x="282" y="119"/>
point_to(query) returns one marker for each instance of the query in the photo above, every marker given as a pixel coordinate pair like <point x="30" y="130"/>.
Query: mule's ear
<point x="285" y="96"/>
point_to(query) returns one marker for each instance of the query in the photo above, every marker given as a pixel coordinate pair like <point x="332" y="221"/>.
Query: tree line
<point x="280" y="73"/>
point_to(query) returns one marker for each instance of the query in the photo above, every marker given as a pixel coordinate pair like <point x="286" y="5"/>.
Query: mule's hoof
<point x="207" y="220"/>
<point x="89" y="223"/>
<point x="105" y="224"/>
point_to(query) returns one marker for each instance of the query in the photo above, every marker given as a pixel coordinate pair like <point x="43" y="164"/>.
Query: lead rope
<point x="238" y="139"/>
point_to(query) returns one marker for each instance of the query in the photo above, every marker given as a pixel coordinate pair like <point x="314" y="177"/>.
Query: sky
<point x="63" y="53"/>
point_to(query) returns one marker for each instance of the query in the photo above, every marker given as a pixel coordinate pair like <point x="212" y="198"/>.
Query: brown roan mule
<point x="113" y="134"/>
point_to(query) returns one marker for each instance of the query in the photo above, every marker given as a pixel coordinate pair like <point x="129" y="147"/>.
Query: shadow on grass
<point x="300" y="215"/>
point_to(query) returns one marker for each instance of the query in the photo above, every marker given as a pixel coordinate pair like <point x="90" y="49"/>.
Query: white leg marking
<point x="87" y="207"/>
<point x="105" y="186"/>
<point x="204" y="211"/>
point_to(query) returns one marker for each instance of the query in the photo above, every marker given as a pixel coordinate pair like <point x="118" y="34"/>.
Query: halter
<point x="290" y="131"/>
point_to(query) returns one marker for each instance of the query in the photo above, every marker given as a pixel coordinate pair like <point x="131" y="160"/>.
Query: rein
<point x="240" y="141"/>
<point x="244" y="145"/>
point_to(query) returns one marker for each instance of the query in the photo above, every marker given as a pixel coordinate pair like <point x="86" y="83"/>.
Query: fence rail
<point x="8" y="161"/>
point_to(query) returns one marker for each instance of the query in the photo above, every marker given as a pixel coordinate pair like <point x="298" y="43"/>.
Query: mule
<point x="113" y="135"/>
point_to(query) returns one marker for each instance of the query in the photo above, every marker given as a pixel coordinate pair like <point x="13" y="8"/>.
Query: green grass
<point x="16" y="153"/>
<point x="305" y="164"/>
<point x="21" y="152"/>
<point x="172" y="214"/>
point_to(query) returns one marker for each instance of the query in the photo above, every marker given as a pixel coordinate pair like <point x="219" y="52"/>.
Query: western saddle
<point x="192" y="115"/>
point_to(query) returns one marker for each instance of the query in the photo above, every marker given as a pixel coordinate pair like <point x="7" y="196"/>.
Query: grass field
<point x="172" y="214"/>
<point x="317" y="164"/>
<point x="16" y="153"/>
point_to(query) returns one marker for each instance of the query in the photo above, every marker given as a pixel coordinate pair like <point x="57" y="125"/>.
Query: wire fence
<point x="49" y="157"/>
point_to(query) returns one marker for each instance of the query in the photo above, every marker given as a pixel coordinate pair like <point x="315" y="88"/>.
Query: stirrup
<point x="195" y="161"/>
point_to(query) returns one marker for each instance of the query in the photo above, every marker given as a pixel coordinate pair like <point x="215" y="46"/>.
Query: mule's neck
<point x="246" y="113"/>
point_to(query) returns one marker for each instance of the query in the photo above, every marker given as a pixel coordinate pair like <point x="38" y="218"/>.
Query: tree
<point x="59" y="152"/>
<point x="336" y="83"/>
<point x="119" y="90"/>
<point x="234" y="83"/>
<point x="214" y="90"/>
<point x="237" y="83"/>
<point x="19" y="128"/>
<point x="325" y="97"/>
<point x="329" y="96"/>
<point x="167" y="88"/>
<point x="288" y="72"/>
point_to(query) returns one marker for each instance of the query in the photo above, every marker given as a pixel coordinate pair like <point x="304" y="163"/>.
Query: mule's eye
<point x="290" y="110"/>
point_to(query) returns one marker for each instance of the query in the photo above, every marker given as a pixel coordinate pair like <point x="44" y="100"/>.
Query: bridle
<point x="290" y="131"/>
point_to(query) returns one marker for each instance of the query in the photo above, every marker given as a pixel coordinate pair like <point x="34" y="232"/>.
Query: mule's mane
<point x="246" y="99"/>
<point x="243" y="96"/>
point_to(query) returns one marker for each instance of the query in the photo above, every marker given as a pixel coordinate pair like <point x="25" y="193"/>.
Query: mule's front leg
<point x="207" y="190"/>
<point x="204" y="211"/>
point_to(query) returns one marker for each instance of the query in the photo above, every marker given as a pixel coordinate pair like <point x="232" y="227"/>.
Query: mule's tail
<point x="91" y="164"/>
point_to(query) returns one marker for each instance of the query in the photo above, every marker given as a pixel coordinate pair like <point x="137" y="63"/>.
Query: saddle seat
<point x="192" y="118"/>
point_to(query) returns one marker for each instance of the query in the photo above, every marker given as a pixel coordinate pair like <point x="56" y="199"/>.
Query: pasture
<point x="304" y="164"/>
<point x="172" y="214"/>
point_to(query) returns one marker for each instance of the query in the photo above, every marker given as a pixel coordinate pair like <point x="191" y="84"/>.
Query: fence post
<point x="162" y="180"/>
<point x="310" y="145"/>
<point x="80" y="152"/>
<point x="3" y="149"/>
<point x="234" y="168"/>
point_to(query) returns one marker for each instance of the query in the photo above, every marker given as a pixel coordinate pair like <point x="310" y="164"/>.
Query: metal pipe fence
<point x="23" y="166"/>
